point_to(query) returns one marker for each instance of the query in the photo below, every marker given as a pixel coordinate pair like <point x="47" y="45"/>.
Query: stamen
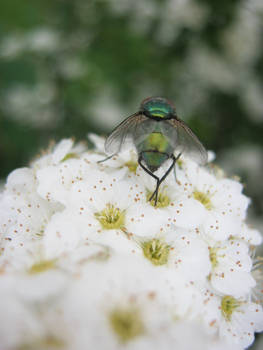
<point x="228" y="305"/>
<point x="203" y="198"/>
<point x="126" y="324"/>
<point x="70" y="156"/>
<point x="213" y="256"/>
<point x="111" y="217"/>
<point x="49" y="342"/>
<point x="162" y="201"/>
<point x="156" y="251"/>
<point x="42" y="266"/>
<point x="132" y="166"/>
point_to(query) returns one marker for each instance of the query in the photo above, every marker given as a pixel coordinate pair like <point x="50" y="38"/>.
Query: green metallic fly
<point x="158" y="134"/>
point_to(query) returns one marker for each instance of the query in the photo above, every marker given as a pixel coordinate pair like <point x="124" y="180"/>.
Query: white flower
<point x="23" y="218"/>
<point x="257" y="273"/>
<point x="62" y="152"/>
<point x="106" y="201"/>
<point x="180" y="209"/>
<point x="127" y="158"/>
<point x="250" y="235"/>
<point x="222" y="201"/>
<point x="83" y="248"/>
<point x="176" y="251"/>
<point x="18" y="322"/>
<point x="125" y="307"/>
<point x="231" y="268"/>
<point x="235" y="320"/>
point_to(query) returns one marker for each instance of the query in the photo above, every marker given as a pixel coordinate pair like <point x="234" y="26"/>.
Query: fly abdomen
<point x="155" y="150"/>
<point x="154" y="159"/>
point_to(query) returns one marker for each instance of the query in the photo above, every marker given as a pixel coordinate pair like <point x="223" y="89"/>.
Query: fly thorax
<point x="156" y="141"/>
<point x="157" y="107"/>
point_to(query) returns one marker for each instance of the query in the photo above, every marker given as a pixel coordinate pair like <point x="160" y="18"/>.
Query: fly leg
<point x="154" y="176"/>
<point x="104" y="160"/>
<point x="155" y="193"/>
<point x="159" y="181"/>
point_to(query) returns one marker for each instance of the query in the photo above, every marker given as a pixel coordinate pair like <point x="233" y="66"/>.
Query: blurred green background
<point x="72" y="67"/>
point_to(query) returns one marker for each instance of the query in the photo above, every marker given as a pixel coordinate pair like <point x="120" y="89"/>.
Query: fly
<point x="158" y="135"/>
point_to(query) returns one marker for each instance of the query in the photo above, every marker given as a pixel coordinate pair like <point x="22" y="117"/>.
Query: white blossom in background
<point x="32" y="104"/>
<point x="232" y="70"/>
<point x="41" y="39"/>
<point x="98" y="108"/>
<point x="88" y="262"/>
<point x="248" y="161"/>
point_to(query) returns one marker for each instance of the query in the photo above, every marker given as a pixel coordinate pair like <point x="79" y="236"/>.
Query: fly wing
<point x="188" y="142"/>
<point x="123" y="134"/>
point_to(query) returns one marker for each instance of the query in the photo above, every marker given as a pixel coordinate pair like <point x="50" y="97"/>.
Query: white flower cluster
<point x="88" y="262"/>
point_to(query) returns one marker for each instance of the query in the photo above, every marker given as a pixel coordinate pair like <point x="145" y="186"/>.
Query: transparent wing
<point x="187" y="142"/>
<point x="123" y="134"/>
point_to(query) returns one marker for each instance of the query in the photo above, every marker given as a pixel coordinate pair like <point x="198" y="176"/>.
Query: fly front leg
<point x="179" y="155"/>
<point x="104" y="160"/>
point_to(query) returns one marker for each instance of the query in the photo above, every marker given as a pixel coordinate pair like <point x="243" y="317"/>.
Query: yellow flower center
<point x="43" y="344"/>
<point x="228" y="306"/>
<point x="213" y="256"/>
<point x="179" y="162"/>
<point x="203" y="198"/>
<point x="132" y="166"/>
<point x="111" y="217"/>
<point x="126" y="324"/>
<point x="162" y="201"/>
<point x="156" y="251"/>
<point x="42" y="266"/>
<point x="69" y="156"/>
